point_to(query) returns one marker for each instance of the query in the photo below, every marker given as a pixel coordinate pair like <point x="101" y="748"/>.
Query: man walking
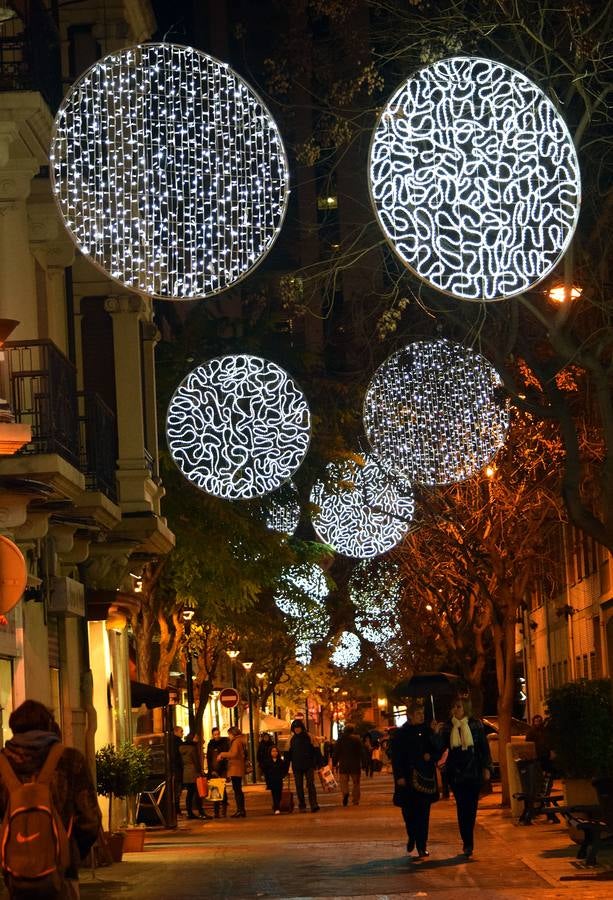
<point x="216" y="766"/>
<point x="302" y="755"/>
<point x="348" y="757"/>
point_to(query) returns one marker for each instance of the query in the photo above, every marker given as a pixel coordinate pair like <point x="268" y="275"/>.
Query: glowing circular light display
<point x="301" y="598"/>
<point x="376" y="593"/>
<point x="433" y="412"/>
<point x="238" y="427"/>
<point x="347" y="651"/>
<point x="169" y="171"/>
<point x="474" y="178"/>
<point x="362" y="512"/>
<point x="281" y="510"/>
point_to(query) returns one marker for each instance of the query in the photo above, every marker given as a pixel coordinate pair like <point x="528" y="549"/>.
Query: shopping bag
<point x="217" y="787"/>
<point x="202" y="785"/>
<point x="327" y="779"/>
<point x="287" y="801"/>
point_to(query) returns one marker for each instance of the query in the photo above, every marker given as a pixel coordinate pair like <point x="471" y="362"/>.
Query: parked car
<point x="519" y="730"/>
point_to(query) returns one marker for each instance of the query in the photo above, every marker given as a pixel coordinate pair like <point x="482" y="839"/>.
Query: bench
<point x="594" y="822"/>
<point x="536" y="794"/>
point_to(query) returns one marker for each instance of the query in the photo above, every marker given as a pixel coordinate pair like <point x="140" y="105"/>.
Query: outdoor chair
<point x="149" y="801"/>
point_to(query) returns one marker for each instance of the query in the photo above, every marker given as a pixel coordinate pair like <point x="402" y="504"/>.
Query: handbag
<point x="202" y="785"/>
<point x="423" y="784"/>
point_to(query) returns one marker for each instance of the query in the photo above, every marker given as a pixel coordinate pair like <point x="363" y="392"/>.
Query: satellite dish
<point x="13" y="574"/>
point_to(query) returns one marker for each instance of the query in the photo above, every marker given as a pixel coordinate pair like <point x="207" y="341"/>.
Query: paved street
<point x="340" y="853"/>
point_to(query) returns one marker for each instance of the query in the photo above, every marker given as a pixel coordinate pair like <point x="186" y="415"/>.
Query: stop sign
<point x="228" y="698"/>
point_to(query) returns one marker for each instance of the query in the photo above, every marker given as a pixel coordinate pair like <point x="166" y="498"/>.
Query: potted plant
<point x="580" y="727"/>
<point x="121" y="772"/>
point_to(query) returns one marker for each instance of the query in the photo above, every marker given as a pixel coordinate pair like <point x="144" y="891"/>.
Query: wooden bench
<point x="594" y="822"/>
<point x="536" y="794"/>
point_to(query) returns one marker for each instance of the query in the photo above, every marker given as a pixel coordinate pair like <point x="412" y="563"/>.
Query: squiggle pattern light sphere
<point x="434" y="413"/>
<point x="347" y="651"/>
<point x="238" y="427"/>
<point x="169" y="171"/>
<point x="362" y="512"/>
<point x="474" y="178"/>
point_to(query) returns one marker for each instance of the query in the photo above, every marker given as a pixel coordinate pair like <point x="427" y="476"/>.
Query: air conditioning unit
<point x="67" y="596"/>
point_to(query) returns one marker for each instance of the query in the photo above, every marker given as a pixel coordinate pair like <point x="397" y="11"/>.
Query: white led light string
<point x="433" y="413"/>
<point x="169" y="171"/>
<point x="474" y="179"/>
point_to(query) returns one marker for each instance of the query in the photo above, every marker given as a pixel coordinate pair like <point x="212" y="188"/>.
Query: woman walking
<point x="188" y="752"/>
<point x="236" y="756"/>
<point x="468" y="765"/>
<point x="414" y="750"/>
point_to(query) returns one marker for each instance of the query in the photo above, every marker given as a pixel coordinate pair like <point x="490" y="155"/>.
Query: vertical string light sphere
<point x="376" y="591"/>
<point x="169" y="171"/>
<point x="238" y="427"/>
<point x="434" y="412"/>
<point x="474" y="179"/>
<point x="362" y="511"/>
<point x="281" y="510"/>
<point x="300" y="597"/>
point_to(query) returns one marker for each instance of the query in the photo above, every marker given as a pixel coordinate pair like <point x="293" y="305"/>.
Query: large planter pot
<point x="114" y="841"/>
<point x="579" y="792"/>
<point x="134" y="840"/>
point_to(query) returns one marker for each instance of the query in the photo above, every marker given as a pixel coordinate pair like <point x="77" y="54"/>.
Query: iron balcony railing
<point x="78" y="427"/>
<point x="30" y="52"/>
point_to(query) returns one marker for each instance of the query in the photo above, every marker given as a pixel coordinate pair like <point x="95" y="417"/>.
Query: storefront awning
<point x="151" y="696"/>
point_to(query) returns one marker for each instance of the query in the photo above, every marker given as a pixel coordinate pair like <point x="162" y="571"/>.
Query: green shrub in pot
<point x="580" y="728"/>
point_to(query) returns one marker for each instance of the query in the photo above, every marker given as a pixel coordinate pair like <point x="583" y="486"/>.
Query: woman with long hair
<point x="236" y="756"/>
<point x="468" y="766"/>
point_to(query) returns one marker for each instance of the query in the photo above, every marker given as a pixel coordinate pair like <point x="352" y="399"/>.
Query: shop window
<point x="6" y="698"/>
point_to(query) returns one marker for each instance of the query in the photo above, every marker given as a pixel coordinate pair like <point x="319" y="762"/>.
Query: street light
<point x="233" y="655"/>
<point x="247" y="666"/>
<point x="188" y="615"/>
<point x="335" y="691"/>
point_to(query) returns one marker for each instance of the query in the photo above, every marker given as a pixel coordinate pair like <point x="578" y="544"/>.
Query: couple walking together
<point x="415" y="750"/>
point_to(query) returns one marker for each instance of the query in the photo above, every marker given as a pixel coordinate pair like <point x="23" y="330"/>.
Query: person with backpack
<point x="49" y="808"/>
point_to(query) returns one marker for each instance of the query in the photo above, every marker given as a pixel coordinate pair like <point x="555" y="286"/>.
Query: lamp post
<point x="335" y="718"/>
<point x="233" y="655"/>
<point x="188" y="615"/>
<point x="247" y="666"/>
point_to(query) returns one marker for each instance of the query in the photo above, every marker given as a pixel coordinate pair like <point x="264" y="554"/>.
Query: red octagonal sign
<point x="228" y="698"/>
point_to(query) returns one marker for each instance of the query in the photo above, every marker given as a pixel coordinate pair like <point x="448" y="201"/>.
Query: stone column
<point x="17" y="279"/>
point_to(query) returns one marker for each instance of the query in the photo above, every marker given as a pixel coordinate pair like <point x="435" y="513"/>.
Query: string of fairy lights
<point x="171" y="177"/>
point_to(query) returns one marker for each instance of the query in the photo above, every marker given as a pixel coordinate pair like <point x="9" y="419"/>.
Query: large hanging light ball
<point x="376" y="591"/>
<point x="238" y="427"/>
<point x="300" y="597"/>
<point x="169" y="171"/>
<point x="434" y="413"/>
<point x="281" y="510"/>
<point x="363" y="512"/>
<point x="347" y="651"/>
<point x="474" y="178"/>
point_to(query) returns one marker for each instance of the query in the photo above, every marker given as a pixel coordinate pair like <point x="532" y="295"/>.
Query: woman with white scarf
<point x="468" y="765"/>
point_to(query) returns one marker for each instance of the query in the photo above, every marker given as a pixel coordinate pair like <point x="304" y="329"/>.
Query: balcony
<point x="30" y="57"/>
<point x="78" y="427"/>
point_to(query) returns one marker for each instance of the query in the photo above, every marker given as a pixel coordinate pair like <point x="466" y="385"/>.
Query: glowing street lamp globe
<point x="363" y="512"/>
<point x="169" y="171"/>
<point x="433" y="413"/>
<point x="474" y="179"/>
<point x="238" y="427"/>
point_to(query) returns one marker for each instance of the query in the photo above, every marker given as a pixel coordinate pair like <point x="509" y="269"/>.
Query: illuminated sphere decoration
<point x="347" y="651"/>
<point x="169" y="171"/>
<point x="281" y="510"/>
<point x="238" y="427"/>
<point x="301" y="598"/>
<point x="376" y="594"/>
<point x="474" y="179"/>
<point x="434" y="414"/>
<point x="362" y="511"/>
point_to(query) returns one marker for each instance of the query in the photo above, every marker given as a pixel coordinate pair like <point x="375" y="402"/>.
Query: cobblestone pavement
<point x="354" y="852"/>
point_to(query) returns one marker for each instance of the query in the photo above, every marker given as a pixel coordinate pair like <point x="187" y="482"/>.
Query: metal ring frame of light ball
<point x="433" y="413"/>
<point x="238" y="427"/>
<point x="169" y="171"/>
<point x="474" y="179"/>
<point x="364" y="513"/>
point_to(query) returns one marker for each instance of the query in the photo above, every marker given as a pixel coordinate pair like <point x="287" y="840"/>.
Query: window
<point x="6" y="698"/>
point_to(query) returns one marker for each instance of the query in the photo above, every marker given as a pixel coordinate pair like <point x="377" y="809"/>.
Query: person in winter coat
<point x="275" y="769"/>
<point x="236" y="756"/>
<point x="414" y="749"/>
<point x="74" y="795"/>
<point x="347" y="757"/>
<point x="216" y="766"/>
<point x="263" y="752"/>
<point x="303" y="757"/>
<point x="468" y="765"/>
<point x="191" y="770"/>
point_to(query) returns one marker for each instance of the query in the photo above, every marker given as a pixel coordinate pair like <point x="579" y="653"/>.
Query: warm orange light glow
<point x="429" y="607"/>
<point x="490" y="471"/>
<point x="560" y="293"/>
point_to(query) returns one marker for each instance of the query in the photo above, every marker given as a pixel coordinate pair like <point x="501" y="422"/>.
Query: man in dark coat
<point x="303" y="756"/>
<point x="215" y="766"/>
<point x="347" y="756"/>
<point x="74" y="795"/>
